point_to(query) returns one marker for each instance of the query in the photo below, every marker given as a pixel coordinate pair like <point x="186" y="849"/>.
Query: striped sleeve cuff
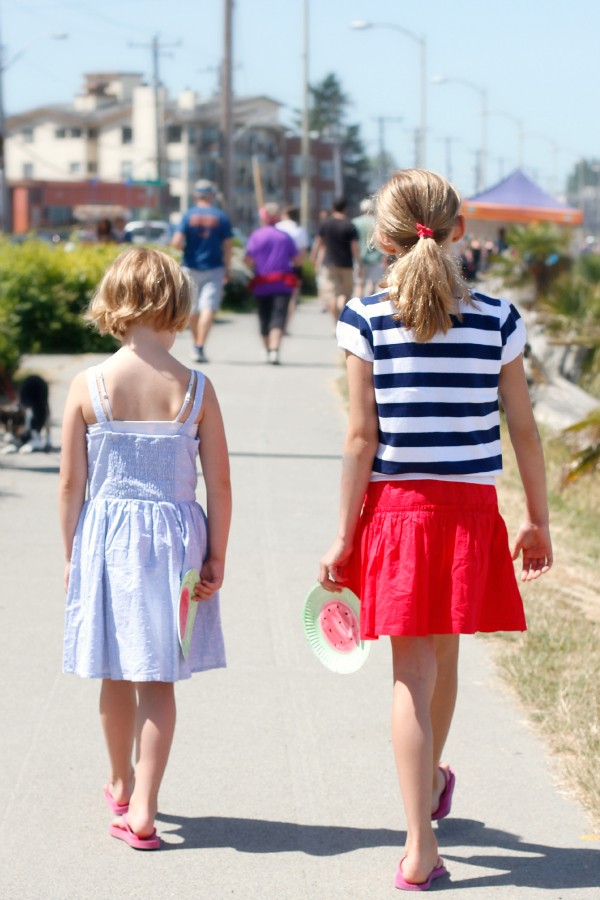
<point x="513" y="335"/>
<point x="354" y="333"/>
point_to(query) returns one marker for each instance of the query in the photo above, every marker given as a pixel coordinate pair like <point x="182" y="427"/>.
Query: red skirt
<point x="432" y="557"/>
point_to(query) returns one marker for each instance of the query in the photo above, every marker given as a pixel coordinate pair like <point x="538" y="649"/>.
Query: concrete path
<point x="281" y="784"/>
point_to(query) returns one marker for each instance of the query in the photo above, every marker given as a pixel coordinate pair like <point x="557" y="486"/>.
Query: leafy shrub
<point x="309" y="279"/>
<point x="537" y="254"/>
<point x="44" y="291"/>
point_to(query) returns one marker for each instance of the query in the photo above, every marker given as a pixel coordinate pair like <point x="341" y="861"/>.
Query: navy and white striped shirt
<point x="437" y="401"/>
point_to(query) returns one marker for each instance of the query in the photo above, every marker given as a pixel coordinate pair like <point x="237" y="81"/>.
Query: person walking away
<point x="370" y="257"/>
<point x="205" y="236"/>
<point x="428" y="555"/>
<point x="290" y="223"/>
<point x="273" y="255"/>
<point x="336" y="251"/>
<point x="131" y="433"/>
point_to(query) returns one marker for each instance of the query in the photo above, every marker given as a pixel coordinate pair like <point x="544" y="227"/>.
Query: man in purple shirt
<point x="273" y="254"/>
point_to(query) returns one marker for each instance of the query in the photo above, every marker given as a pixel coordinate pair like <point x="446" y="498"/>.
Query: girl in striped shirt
<point x="420" y="537"/>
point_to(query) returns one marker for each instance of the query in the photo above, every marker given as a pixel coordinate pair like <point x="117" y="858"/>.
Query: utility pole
<point x="157" y="48"/>
<point x="305" y="142"/>
<point x="227" y="110"/>
<point x="5" y="217"/>
<point x="381" y="120"/>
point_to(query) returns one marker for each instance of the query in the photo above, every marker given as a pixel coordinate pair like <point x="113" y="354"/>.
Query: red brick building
<point x="322" y="184"/>
<point x="56" y="205"/>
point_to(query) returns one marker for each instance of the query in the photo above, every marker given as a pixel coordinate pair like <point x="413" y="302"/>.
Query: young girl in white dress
<point x="132" y="430"/>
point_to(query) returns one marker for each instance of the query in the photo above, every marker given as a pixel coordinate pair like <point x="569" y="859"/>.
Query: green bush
<point x="309" y="279"/>
<point x="44" y="291"/>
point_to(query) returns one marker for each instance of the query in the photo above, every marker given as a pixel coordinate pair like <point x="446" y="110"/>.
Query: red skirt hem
<point x="432" y="557"/>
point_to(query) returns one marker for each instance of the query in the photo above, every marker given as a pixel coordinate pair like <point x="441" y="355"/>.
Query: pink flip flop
<point x="402" y="884"/>
<point x="117" y="808"/>
<point x="446" y="795"/>
<point x="152" y="842"/>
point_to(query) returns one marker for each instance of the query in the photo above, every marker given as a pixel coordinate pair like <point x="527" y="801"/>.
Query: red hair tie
<point x="423" y="231"/>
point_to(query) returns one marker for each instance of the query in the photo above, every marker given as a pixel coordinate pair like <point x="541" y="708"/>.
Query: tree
<point x="327" y="115"/>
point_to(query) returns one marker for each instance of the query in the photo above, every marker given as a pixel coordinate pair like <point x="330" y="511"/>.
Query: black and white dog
<point x="26" y="420"/>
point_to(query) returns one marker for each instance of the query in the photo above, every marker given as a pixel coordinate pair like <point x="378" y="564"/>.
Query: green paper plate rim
<point x="340" y="663"/>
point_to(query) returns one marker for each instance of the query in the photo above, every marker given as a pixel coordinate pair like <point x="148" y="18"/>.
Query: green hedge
<point x="44" y="290"/>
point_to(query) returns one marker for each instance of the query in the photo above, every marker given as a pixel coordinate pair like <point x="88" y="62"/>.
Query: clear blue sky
<point x="539" y="60"/>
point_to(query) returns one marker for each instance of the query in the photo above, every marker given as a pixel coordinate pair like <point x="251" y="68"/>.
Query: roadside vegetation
<point x="45" y="289"/>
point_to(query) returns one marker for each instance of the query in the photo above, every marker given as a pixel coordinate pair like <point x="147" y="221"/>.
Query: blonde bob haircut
<point x="424" y="283"/>
<point x="141" y="287"/>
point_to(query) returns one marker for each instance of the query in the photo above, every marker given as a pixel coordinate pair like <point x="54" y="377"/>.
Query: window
<point x="126" y="168"/>
<point x="27" y="170"/>
<point x="295" y="196"/>
<point x="76" y="132"/>
<point x="60" y="133"/>
<point x="175" y="204"/>
<point x="297" y="167"/>
<point x="126" y="135"/>
<point x="326" y="199"/>
<point x="327" y="173"/>
<point x="173" y="134"/>
<point x="174" y="168"/>
<point x="27" y="135"/>
<point x="92" y="168"/>
<point x="92" y="133"/>
<point x="191" y="168"/>
<point x="192" y="134"/>
<point x="58" y="215"/>
<point x="74" y="168"/>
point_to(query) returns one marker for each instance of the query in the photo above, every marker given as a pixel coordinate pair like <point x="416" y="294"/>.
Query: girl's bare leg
<point x="154" y="729"/>
<point x="414" y="681"/>
<point x="118" y="707"/>
<point x="442" y="704"/>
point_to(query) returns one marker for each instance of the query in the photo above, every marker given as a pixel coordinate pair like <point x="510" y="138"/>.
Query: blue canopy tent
<point x="518" y="199"/>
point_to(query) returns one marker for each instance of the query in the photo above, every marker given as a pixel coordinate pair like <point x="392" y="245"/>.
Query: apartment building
<point x="110" y="134"/>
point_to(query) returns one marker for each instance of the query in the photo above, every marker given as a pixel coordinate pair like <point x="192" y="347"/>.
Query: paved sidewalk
<point x="281" y="784"/>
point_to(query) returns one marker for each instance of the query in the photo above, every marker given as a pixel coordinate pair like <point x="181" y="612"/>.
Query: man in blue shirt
<point x="204" y="234"/>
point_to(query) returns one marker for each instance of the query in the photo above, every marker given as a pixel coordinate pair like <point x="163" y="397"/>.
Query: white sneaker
<point x="274" y="357"/>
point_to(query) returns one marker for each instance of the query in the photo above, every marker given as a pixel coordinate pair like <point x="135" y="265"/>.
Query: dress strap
<point x="187" y="397"/>
<point x="95" y="395"/>
<point x="104" y="394"/>
<point x="190" y="422"/>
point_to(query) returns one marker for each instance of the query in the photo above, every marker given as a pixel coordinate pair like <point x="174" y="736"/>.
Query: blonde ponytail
<point x="417" y="211"/>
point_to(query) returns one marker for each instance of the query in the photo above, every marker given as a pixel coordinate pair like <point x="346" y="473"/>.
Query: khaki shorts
<point x="336" y="281"/>
<point x="207" y="288"/>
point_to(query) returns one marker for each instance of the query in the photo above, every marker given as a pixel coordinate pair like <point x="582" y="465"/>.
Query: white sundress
<point x="139" y="531"/>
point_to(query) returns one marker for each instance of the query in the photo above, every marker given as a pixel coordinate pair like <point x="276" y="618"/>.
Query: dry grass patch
<point x="555" y="666"/>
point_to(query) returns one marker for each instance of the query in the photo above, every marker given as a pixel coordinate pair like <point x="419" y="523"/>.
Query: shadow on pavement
<point x="260" y="836"/>
<point x="550" y="867"/>
<point x="546" y="867"/>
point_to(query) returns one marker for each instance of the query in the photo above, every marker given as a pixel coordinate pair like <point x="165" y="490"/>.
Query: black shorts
<point x="272" y="311"/>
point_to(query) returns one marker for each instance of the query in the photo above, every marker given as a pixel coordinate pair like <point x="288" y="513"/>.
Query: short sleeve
<point x="353" y="232"/>
<point x="226" y="231"/>
<point x="302" y="238"/>
<point x="512" y="330"/>
<point x="183" y="223"/>
<point x="354" y="332"/>
<point x="322" y="230"/>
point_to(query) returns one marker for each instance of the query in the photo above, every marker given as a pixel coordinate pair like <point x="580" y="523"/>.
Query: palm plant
<point x="537" y="254"/>
<point x="584" y="438"/>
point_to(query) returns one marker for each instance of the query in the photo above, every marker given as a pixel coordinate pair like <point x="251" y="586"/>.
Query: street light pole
<point x="421" y="40"/>
<point x="305" y="140"/>
<point x="441" y="79"/>
<point x="227" y="110"/>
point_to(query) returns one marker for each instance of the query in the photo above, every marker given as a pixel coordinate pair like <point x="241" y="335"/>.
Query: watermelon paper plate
<point x="186" y="610"/>
<point x="331" y="625"/>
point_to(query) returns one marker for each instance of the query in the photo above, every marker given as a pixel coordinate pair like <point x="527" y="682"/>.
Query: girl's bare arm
<point x="533" y="537"/>
<point x="73" y="467"/>
<point x="215" y="468"/>
<point x="360" y="447"/>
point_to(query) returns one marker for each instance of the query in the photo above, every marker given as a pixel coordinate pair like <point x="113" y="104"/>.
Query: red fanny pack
<point x="288" y="278"/>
